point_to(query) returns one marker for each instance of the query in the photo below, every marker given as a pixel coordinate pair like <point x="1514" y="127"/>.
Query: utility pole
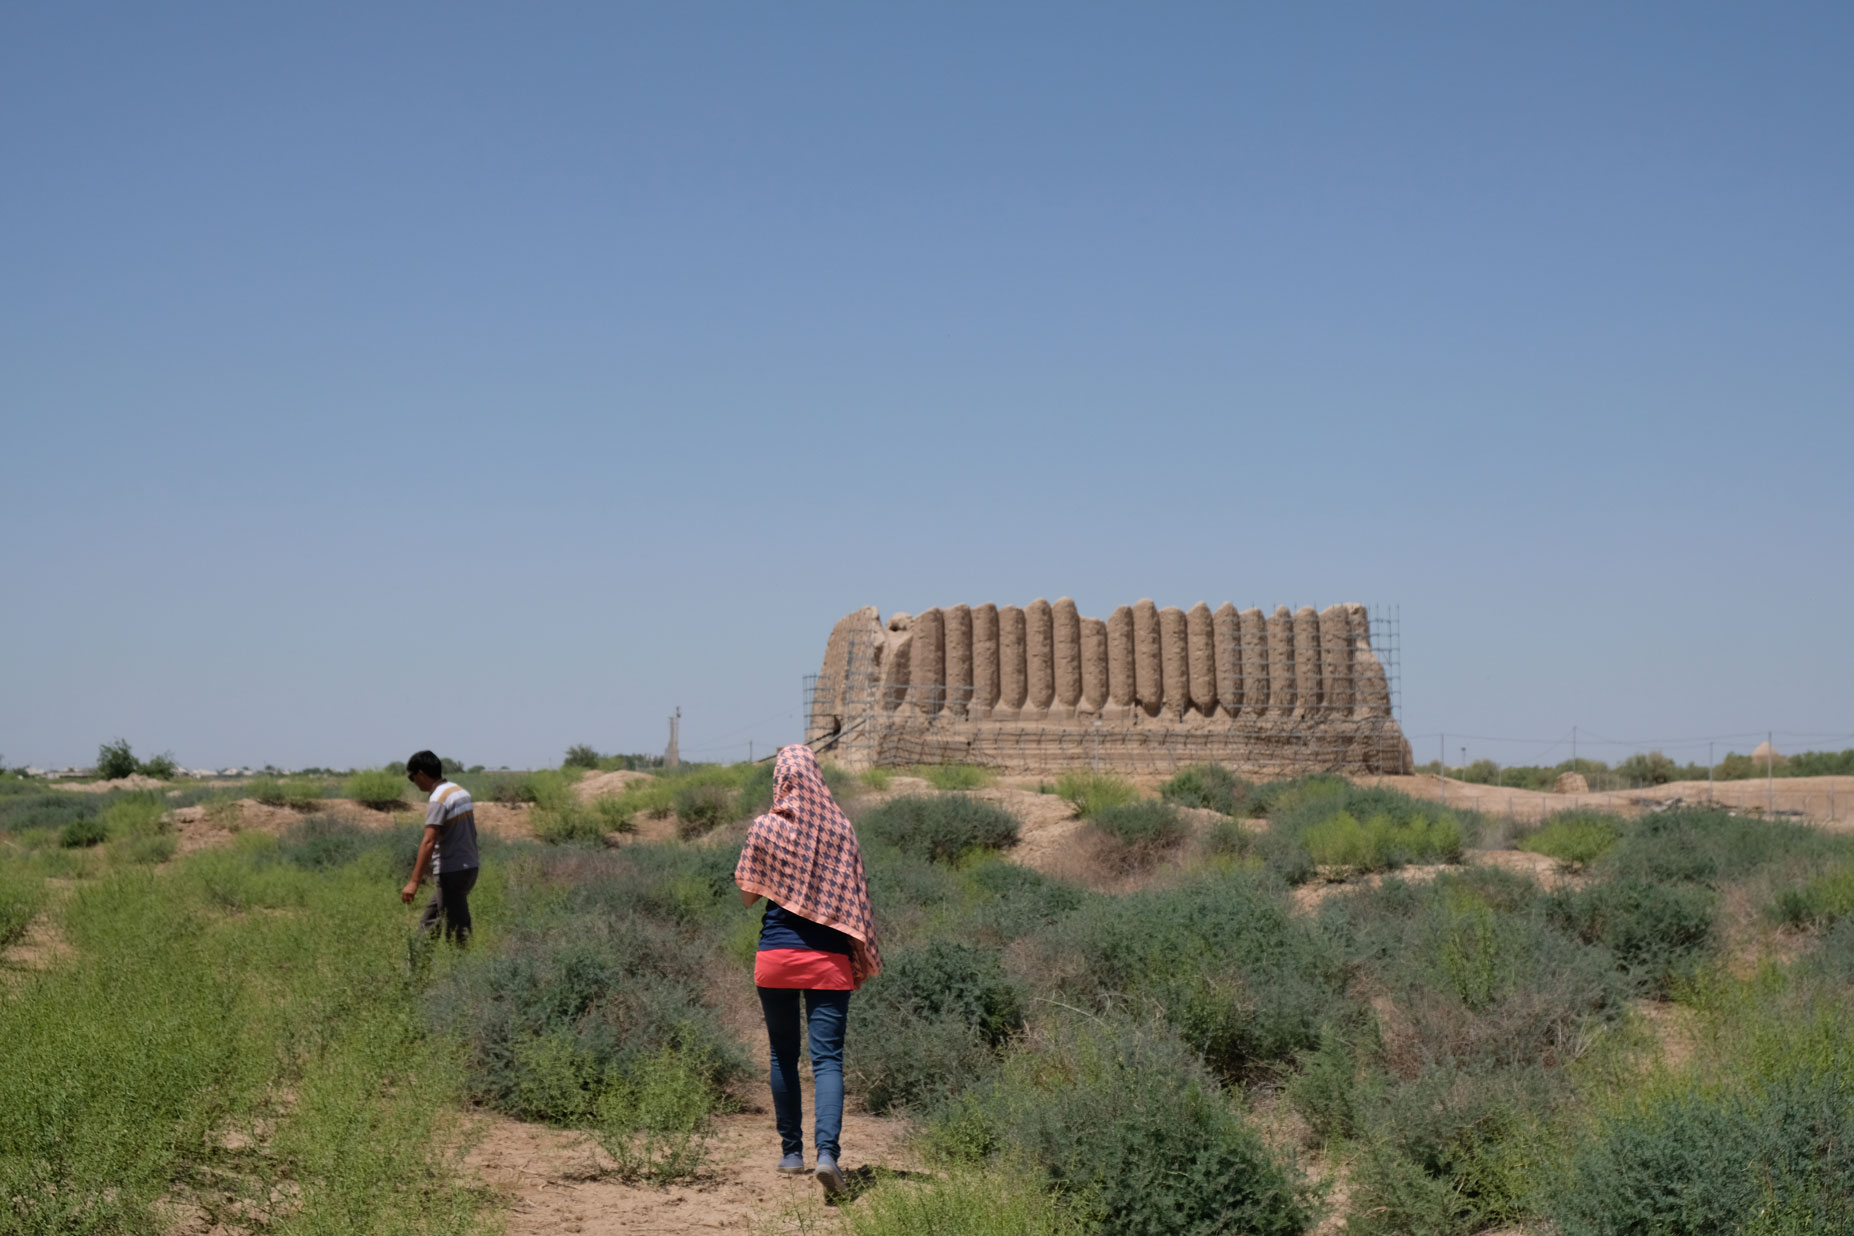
<point x="1573" y="748"/>
<point x="1770" y="764"/>
<point x="672" y="758"/>
<point x="1442" y="765"/>
<point x="1709" y="764"/>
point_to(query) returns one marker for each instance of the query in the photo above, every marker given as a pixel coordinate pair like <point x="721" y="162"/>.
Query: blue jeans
<point x="826" y="1012"/>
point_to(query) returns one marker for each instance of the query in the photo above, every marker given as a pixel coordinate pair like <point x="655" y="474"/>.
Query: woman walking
<point x="817" y="942"/>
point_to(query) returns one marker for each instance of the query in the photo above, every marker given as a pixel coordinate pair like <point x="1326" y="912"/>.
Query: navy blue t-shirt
<point x="781" y="928"/>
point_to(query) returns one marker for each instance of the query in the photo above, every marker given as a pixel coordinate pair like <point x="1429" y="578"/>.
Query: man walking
<point x="448" y="851"/>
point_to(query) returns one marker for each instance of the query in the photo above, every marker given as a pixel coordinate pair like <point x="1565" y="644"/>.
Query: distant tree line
<point x="1647" y="769"/>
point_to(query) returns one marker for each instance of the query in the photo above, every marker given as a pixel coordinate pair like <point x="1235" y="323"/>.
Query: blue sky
<point x="493" y="378"/>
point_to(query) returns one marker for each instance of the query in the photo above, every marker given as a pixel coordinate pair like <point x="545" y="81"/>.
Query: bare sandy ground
<point x="1828" y="801"/>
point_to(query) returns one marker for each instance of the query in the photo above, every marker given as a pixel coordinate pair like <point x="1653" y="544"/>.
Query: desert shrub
<point x="943" y="829"/>
<point x="655" y="798"/>
<point x="925" y="1025"/>
<point x="579" y="755"/>
<point x="571" y="824"/>
<point x="30" y="808"/>
<point x="296" y="794"/>
<point x="1090" y="793"/>
<point x="877" y="779"/>
<point x="1575" y="838"/>
<point x="138" y="814"/>
<point x="1245" y="983"/>
<point x="970" y="1203"/>
<point x="149" y="849"/>
<point x="1821" y="902"/>
<point x="1697" y="1161"/>
<point x="757" y="785"/>
<point x="954" y="776"/>
<point x="21" y="895"/>
<point x="654" y="1121"/>
<point x="1210" y="786"/>
<point x="702" y="807"/>
<point x="380" y="788"/>
<point x="322" y="842"/>
<point x="1479" y="976"/>
<point x="575" y="999"/>
<point x="1380" y="843"/>
<point x="1271" y="797"/>
<point x="613" y="817"/>
<point x="115" y="760"/>
<point x="1227" y="839"/>
<point x="1123" y="1118"/>
<point x="1015" y="900"/>
<point x="1140" y="831"/>
<point x="1359" y="828"/>
<point x="1655" y="932"/>
<point x="1700" y="845"/>
<point x="841" y="781"/>
<point x="83" y="832"/>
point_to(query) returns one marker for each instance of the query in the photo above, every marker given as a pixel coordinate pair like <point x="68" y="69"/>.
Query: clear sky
<point x="498" y="377"/>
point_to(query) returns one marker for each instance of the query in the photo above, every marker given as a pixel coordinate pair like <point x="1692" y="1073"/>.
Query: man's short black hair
<point x="427" y="763"/>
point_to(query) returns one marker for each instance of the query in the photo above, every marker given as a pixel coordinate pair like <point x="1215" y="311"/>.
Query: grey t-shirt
<point x="454" y="816"/>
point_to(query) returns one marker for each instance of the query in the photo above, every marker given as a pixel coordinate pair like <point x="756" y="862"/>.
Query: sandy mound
<point x="606" y="784"/>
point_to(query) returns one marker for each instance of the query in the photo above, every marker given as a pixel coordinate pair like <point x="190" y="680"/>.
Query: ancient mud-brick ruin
<point x="1041" y="688"/>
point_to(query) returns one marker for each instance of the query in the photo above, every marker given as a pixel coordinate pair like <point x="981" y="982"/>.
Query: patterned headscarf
<point x="803" y="855"/>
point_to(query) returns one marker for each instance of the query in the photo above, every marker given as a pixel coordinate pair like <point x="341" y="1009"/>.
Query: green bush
<point x="1575" y="838"/>
<point x="954" y="776"/>
<point x="1700" y="845"/>
<point x="1210" y="786"/>
<point x="161" y="767"/>
<point x="1140" y="831"/>
<point x="925" y="1028"/>
<point x="1380" y="843"/>
<point x="1090" y="793"/>
<point x="115" y="760"/>
<point x="654" y="1122"/>
<point x="136" y="814"/>
<point x="968" y="1203"/>
<point x="579" y="755"/>
<point x="145" y="848"/>
<point x="382" y="789"/>
<point x="942" y="829"/>
<point x="34" y="809"/>
<point x="572" y="824"/>
<point x="1819" y="903"/>
<point x="1124" y="1120"/>
<point x="1245" y="983"/>
<point x="322" y="842"/>
<point x="1777" y="1157"/>
<point x="596" y="977"/>
<point x="83" y="832"/>
<point x="296" y="794"/>
<point x="1479" y="975"/>
<point x="702" y="807"/>
<point x="1655" y="932"/>
<point x="877" y="779"/>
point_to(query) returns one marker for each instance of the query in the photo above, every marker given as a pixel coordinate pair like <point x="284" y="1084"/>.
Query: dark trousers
<point x="825" y="1015"/>
<point x="451" y="902"/>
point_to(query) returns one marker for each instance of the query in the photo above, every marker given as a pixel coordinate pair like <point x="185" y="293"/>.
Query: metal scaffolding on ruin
<point x="1296" y="697"/>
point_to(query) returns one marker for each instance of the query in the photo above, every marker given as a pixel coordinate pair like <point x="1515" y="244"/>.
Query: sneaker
<point x="793" y="1164"/>
<point x="831" y="1176"/>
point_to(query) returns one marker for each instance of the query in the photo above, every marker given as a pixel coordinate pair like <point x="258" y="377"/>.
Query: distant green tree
<point x="115" y="760"/>
<point x="579" y="755"/>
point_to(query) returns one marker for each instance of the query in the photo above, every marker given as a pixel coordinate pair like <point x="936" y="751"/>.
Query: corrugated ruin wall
<point x="1041" y="688"/>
